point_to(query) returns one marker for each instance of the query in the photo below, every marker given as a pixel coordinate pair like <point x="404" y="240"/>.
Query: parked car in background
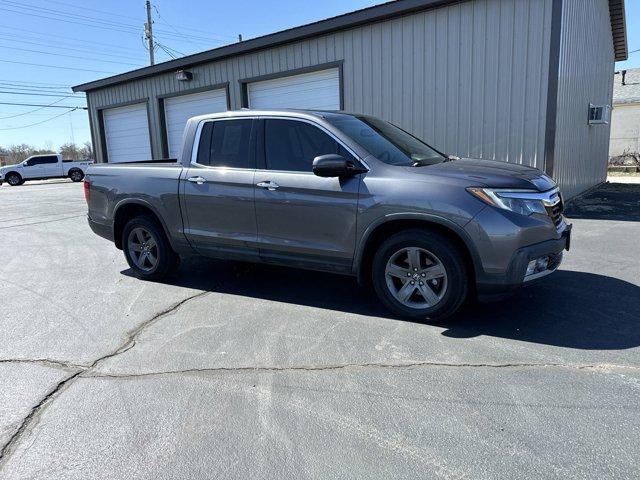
<point x="337" y="192"/>
<point x="40" y="167"/>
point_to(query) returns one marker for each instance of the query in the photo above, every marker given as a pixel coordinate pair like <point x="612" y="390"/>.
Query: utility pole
<point x="148" y="32"/>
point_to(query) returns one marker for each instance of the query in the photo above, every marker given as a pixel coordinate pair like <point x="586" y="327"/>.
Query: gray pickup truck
<point x="338" y="192"/>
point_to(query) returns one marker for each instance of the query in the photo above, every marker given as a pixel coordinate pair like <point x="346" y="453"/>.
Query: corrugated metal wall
<point x="470" y="78"/>
<point x="586" y="76"/>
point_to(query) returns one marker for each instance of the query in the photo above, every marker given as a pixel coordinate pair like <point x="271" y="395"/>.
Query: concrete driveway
<point x="239" y="371"/>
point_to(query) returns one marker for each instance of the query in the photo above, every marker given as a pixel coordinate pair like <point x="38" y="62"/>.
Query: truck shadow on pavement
<point x="569" y="309"/>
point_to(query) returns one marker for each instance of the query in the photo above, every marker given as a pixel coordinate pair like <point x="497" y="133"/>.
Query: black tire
<point x="167" y="259"/>
<point x="76" y="175"/>
<point x="451" y="259"/>
<point x="14" y="179"/>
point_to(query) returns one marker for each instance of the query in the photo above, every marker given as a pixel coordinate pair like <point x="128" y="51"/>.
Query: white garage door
<point x="315" y="90"/>
<point x="177" y="110"/>
<point x="126" y="132"/>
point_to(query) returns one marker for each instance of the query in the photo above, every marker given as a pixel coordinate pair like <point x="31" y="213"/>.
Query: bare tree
<point x="86" y="152"/>
<point x="70" y="151"/>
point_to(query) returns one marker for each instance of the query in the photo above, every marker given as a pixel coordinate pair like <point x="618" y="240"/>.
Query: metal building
<point x="523" y="81"/>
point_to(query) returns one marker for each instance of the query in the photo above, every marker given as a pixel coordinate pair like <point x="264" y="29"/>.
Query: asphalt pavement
<point x="230" y="370"/>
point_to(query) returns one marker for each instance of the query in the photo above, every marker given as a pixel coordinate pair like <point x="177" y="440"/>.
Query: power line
<point x="24" y="82"/>
<point x="33" y="88"/>
<point x="74" y="41"/>
<point x="83" y="8"/>
<point x="56" y="66"/>
<point x="169" y="48"/>
<point x="41" y="105"/>
<point x="104" y="12"/>
<point x="166" y="51"/>
<point x="62" y="13"/>
<point x="49" y="44"/>
<point x="34" y="94"/>
<point x="51" y="105"/>
<point x="95" y="23"/>
<point x="40" y="122"/>
<point x="191" y="28"/>
<point x="72" y="56"/>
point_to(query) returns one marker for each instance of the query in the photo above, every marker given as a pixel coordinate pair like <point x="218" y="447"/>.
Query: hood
<point x="489" y="173"/>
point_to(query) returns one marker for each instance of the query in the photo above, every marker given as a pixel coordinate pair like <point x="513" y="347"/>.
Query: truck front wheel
<point x="420" y="275"/>
<point x="147" y="249"/>
<point x="14" y="179"/>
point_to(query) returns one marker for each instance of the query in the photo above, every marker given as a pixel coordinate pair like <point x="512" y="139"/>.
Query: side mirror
<point x="334" y="165"/>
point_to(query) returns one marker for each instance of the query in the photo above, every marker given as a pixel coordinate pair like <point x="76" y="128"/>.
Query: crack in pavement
<point x="47" y="362"/>
<point x="41" y="222"/>
<point x="311" y="368"/>
<point x="37" y="410"/>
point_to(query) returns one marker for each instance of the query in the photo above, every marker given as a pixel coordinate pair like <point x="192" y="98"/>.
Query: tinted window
<point x="42" y="160"/>
<point x="387" y="142"/>
<point x="292" y="145"/>
<point x="225" y="143"/>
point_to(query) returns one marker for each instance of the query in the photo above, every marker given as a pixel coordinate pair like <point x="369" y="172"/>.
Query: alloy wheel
<point x="143" y="249"/>
<point x="416" y="278"/>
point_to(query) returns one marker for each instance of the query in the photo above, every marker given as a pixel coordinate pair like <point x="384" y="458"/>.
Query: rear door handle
<point x="198" y="180"/>
<point x="268" y="185"/>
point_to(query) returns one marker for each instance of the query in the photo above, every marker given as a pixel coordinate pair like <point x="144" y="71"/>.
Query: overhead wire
<point x="72" y="56"/>
<point x="55" y="66"/>
<point x="80" y="20"/>
<point x="51" y="105"/>
<point x="40" y="105"/>
<point x="40" y="122"/>
<point x="31" y="94"/>
<point x="54" y="44"/>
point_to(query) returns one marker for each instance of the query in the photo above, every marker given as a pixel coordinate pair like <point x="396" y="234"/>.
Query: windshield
<point x="387" y="142"/>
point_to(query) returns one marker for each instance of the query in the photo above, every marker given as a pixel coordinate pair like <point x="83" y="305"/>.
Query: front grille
<point x="555" y="211"/>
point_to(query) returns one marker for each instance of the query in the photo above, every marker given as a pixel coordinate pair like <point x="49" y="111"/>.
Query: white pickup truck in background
<point x="40" y="167"/>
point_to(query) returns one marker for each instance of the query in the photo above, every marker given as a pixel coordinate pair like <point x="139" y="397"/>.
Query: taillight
<point x="87" y="189"/>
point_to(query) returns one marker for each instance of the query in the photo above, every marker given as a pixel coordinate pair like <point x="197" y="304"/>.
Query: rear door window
<point x="42" y="160"/>
<point x="226" y="143"/>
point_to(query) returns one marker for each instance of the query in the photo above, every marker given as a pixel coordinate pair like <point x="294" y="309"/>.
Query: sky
<point x="46" y="46"/>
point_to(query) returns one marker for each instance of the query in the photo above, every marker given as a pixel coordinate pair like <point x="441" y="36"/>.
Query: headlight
<point x="515" y="200"/>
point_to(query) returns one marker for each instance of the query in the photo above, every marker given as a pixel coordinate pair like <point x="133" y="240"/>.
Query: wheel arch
<point x="128" y="209"/>
<point x="13" y="171"/>
<point x="392" y="224"/>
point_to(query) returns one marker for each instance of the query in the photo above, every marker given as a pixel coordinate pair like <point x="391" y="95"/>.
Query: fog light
<point x="531" y="268"/>
<point x="538" y="265"/>
<point x="541" y="264"/>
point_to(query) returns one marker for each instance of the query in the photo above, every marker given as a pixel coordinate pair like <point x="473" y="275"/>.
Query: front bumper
<point x="501" y="286"/>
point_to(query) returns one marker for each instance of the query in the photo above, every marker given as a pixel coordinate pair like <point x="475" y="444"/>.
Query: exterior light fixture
<point x="184" y="76"/>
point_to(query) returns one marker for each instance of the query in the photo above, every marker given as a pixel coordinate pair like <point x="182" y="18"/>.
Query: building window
<point x="599" y="114"/>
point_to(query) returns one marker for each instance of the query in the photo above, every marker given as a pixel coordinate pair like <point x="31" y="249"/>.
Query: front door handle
<point x="198" y="180"/>
<point x="271" y="186"/>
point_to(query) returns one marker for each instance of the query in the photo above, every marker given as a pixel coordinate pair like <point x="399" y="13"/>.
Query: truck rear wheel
<point x="14" y="179"/>
<point x="420" y="275"/>
<point x="76" y="175"/>
<point x="147" y="249"/>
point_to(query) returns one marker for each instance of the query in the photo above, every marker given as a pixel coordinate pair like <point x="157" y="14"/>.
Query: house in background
<point x="625" y="116"/>
<point x="521" y="81"/>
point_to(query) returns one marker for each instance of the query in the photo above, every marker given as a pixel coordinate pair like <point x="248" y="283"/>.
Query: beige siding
<point x="586" y="76"/>
<point x="470" y="78"/>
<point x="625" y="129"/>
